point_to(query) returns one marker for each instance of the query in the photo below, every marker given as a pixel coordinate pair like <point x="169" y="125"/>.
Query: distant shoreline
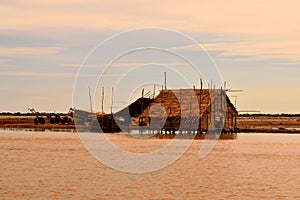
<point x="279" y="115"/>
<point x="268" y="124"/>
<point x="258" y="124"/>
<point x="26" y="123"/>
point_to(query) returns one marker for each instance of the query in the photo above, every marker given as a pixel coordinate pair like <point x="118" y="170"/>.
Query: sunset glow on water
<point x="48" y="165"/>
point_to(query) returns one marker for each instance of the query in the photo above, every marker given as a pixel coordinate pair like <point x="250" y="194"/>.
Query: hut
<point x="182" y="111"/>
<point x="190" y="111"/>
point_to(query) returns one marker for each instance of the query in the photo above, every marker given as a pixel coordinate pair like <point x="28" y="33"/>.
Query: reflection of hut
<point x="191" y="110"/>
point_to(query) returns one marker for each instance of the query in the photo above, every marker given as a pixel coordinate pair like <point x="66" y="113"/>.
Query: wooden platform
<point x="222" y="136"/>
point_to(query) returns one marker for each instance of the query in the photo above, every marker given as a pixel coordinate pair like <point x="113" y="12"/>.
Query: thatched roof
<point x="136" y="108"/>
<point x="185" y="103"/>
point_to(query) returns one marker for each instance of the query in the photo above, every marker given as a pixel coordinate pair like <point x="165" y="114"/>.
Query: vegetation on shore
<point x="240" y="115"/>
<point x="268" y="115"/>
<point x="28" y="114"/>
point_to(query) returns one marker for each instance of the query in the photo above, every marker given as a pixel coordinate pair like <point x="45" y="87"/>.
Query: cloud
<point x="139" y="64"/>
<point x="288" y="63"/>
<point x="3" y="61"/>
<point x="125" y="64"/>
<point x="244" y="17"/>
<point x="29" y="51"/>
<point x="272" y="26"/>
<point x="75" y="65"/>
<point x="258" y="50"/>
<point x="37" y="74"/>
<point x="251" y="50"/>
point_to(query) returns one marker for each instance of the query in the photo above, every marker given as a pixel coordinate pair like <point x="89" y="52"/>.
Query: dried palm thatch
<point x="191" y="110"/>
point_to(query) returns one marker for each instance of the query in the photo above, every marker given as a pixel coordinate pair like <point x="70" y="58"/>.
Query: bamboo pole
<point x="102" y="107"/>
<point x="90" y="99"/>
<point x="102" y="101"/>
<point x="112" y="99"/>
<point x="165" y="80"/>
<point x="200" y="102"/>
<point x="111" y="108"/>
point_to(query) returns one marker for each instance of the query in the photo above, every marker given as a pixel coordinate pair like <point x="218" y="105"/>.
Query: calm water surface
<point x="46" y="165"/>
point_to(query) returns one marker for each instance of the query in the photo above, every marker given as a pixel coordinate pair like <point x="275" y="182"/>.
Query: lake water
<point x="53" y="165"/>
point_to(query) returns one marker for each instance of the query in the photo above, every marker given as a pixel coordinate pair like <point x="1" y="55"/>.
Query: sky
<point x="255" y="45"/>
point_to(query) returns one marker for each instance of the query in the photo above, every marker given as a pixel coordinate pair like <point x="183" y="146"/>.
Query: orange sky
<point x="264" y="34"/>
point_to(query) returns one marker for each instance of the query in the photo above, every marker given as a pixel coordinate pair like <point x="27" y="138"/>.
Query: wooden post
<point x="102" y="101"/>
<point x="142" y="103"/>
<point x="200" y="102"/>
<point x="112" y="99"/>
<point x="165" y="80"/>
<point x="190" y="118"/>
<point x="90" y="100"/>
<point x="102" y="107"/>
<point x="111" y="111"/>
<point x="140" y="117"/>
